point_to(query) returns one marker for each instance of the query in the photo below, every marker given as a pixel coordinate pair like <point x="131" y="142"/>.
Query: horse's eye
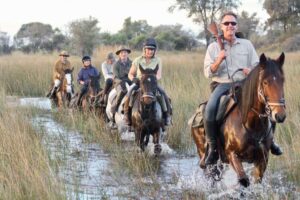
<point x="265" y="82"/>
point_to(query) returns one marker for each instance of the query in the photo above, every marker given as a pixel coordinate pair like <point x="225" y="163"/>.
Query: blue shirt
<point x="85" y="73"/>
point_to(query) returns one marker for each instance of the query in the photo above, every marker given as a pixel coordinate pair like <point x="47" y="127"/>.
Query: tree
<point x="286" y="12"/>
<point x="204" y="11"/>
<point x="84" y="35"/>
<point x="247" y="24"/>
<point x="134" y="29"/>
<point x="34" y="36"/>
<point x="4" y="43"/>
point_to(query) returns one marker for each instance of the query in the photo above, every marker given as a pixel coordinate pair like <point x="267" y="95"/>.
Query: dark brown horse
<point x="246" y="132"/>
<point x="146" y="111"/>
<point x="91" y="97"/>
<point x="65" y="91"/>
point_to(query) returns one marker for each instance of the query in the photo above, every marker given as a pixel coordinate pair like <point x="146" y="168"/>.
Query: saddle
<point x="227" y="103"/>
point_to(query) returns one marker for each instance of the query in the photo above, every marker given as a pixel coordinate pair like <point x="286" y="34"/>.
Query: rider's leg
<point x="165" y="100"/>
<point x="83" y="90"/>
<point x="108" y="85"/>
<point x="210" y="124"/>
<point x="54" y="88"/>
<point x="275" y="149"/>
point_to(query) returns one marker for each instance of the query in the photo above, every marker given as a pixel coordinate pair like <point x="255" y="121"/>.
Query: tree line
<point x="84" y="35"/>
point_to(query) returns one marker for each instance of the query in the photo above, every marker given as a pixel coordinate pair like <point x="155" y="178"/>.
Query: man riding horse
<point x="220" y="64"/>
<point x="147" y="61"/>
<point x="59" y="68"/>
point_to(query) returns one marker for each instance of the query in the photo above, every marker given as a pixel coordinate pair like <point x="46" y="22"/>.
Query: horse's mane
<point x="248" y="93"/>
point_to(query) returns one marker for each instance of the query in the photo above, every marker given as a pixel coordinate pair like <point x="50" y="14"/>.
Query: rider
<point x="84" y="74"/>
<point x="107" y="70"/>
<point x="120" y="71"/>
<point x="220" y="65"/>
<point x="58" y="71"/>
<point x="147" y="60"/>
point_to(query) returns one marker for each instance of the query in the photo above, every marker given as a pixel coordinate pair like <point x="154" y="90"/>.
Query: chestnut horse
<point x="65" y="90"/>
<point x="246" y="133"/>
<point x="146" y="111"/>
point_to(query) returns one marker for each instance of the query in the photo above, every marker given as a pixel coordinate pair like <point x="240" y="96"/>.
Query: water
<point x="87" y="170"/>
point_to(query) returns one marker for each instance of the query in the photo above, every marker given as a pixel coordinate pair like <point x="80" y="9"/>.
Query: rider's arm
<point x="80" y="78"/>
<point x="159" y="72"/>
<point x="213" y="59"/>
<point x="132" y="72"/>
<point x="105" y="71"/>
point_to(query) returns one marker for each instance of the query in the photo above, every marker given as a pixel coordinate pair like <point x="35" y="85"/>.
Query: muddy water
<point x="87" y="173"/>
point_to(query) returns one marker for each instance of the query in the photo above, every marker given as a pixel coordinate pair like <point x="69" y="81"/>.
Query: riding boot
<point x="51" y="93"/>
<point x="211" y="137"/>
<point x="79" y="99"/>
<point x="275" y="149"/>
<point x="167" y="118"/>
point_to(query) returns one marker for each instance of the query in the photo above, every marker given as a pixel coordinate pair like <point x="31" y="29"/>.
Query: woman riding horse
<point x="146" y="111"/>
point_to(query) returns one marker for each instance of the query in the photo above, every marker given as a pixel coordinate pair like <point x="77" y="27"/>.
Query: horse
<point x="119" y="116"/>
<point x="246" y="133"/>
<point x="65" y="91"/>
<point x="146" y="111"/>
<point x="90" y="100"/>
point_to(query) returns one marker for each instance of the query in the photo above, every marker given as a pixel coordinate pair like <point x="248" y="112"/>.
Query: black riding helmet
<point x="150" y="43"/>
<point x="86" y="58"/>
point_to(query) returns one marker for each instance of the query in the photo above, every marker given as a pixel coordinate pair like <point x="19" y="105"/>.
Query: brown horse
<point x="91" y="97"/>
<point x="65" y="90"/>
<point x="146" y="111"/>
<point x="246" y="132"/>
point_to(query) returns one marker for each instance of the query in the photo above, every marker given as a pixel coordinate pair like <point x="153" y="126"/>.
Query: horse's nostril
<point x="280" y="118"/>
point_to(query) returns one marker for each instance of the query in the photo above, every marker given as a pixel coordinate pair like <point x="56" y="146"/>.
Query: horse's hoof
<point x="157" y="149"/>
<point x="202" y="164"/>
<point x="244" y="181"/>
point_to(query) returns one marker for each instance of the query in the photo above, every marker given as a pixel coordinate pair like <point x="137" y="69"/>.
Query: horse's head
<point x="148" y="84"/>
<point x="94" y="87"/>
<point x="69" y="78"/>
<point x="270" y="89"/>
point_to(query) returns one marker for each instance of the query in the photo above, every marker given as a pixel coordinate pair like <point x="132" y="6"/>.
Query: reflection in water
<point x="88" y="173"/>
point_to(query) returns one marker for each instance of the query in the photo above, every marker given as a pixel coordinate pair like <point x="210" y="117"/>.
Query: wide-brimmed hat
<point x="64" y="53"/>
<point x="123" y="48"/>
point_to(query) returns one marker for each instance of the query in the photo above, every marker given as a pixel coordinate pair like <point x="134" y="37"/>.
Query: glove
<point x="136" y="81"/>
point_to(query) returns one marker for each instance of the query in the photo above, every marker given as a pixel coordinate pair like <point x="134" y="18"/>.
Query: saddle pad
<point x="197" y="119"/>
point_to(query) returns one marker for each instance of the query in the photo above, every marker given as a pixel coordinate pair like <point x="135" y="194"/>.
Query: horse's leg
<point x="199" y="138"/>
<point x="59" y="99"/>
<point x="157" y="146"/>
<point x="260" y="168"/>
<point x="238" y="168"/>
<point x="142" y="137"/>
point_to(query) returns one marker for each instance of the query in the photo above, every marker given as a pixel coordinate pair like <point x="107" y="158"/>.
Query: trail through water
<point x="87" y="170"/>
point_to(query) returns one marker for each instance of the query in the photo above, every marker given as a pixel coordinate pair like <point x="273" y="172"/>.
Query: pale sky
<point x="110" y="13"/>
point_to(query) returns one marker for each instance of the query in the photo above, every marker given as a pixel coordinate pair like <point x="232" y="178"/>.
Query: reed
<point x="25" y="170"/>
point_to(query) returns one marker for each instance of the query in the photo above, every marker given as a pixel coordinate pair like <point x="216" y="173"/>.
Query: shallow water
<point x="87" y="173"/>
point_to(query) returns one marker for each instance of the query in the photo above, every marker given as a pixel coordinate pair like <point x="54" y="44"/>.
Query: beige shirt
<point x="240" y="55"/>
<point x="151" y="65"/>
<point x="59" y="67"/>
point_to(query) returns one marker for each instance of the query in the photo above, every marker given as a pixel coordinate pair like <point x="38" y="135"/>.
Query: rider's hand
<point x="81" y="82"/>
<point x="136" y="80"/>
<point x="246" y="70"/>
<point x="222" y="55"/>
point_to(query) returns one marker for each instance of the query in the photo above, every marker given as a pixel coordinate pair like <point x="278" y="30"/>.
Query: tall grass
<point x="25" y="171"/>
<point x="184" y="82"/>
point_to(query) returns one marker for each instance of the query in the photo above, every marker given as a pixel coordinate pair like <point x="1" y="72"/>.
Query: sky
<point x="110" y="13"/>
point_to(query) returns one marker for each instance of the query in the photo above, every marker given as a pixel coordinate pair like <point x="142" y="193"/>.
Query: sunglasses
<point x="227" y="23"/>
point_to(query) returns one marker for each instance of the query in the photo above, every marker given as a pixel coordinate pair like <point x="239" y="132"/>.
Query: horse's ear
<point x="156" y="69"/>
<point x="262" y="59"/>
<point x="280" y="59"/>
<point x="141" y="69"/>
